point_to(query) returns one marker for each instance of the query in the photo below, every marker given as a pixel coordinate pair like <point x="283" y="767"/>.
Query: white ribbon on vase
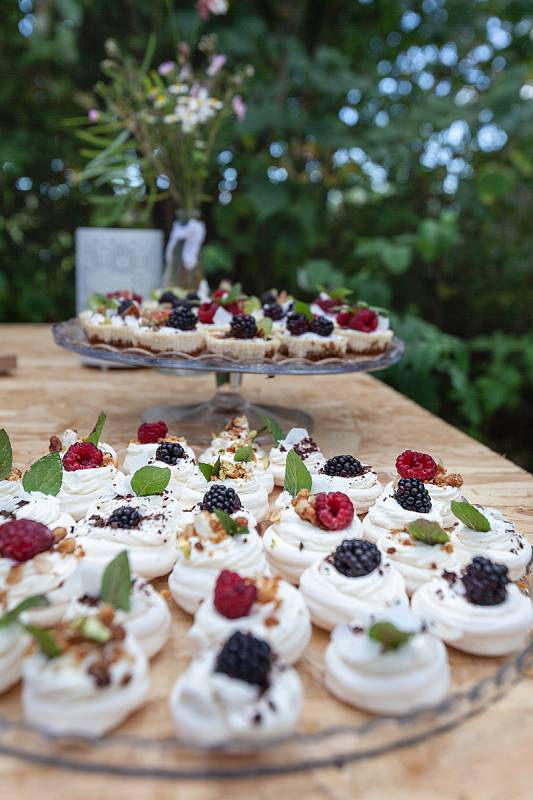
<point x="192" y="234"/>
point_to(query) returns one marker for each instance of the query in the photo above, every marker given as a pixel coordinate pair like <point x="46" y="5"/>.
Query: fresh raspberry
<point x="218" y="293"/>
<point x="411" y="464"/>
<point x="82" y="455"/>
<point x="334" y="510"/>
<point x="233" y="308"/>
<point x="364" y="320"/>
<point x="327" y="304"/>
<point x="206" y="313"/>
<point x="152" y="432"/>
<point x="125" y="294"/>
<point x="22" y="539"/>
<point x="234" y="596"/>
<point x="343" y="318"/>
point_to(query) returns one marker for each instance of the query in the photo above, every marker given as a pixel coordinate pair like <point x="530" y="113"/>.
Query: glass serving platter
<point x="330" y="733"/>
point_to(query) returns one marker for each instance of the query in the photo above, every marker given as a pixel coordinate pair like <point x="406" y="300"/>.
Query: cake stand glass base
<point x="202" y="420"/>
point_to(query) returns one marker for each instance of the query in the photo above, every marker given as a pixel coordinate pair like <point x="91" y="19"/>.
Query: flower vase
<point x="183" y="266"/>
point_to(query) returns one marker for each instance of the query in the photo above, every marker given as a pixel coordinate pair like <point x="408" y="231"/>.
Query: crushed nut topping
<point x="442" y="478"/>
<point x="267" y="590"/>
<point x="55" y="445"/>
<point x="14" y="475"/>
<point x="59" y="534"/>
<point x="304" y="505"/>
<point x="229" y="470"/>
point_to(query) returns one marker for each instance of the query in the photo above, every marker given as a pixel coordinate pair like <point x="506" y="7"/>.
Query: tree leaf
<point x="37" y="601"/>
<point x="45" y="640"/>
<point x="297" y="476"/>
<point x="230" y="525"/>
<point x="150" y="480"/>
<point x="388" y="635"/>
<point x="94" y="436"/>
<point x="245" y="453"/>
<point x="6" y="455"/>
<point x="470" y="516"/>
<point x="273" y="428"/>
<point x="116" y="582"/>
<point x="45" y="475"/>
<point x="424" y="530"/>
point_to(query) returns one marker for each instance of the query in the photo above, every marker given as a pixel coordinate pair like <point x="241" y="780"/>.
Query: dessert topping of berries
<point x="172" y="299"/>
<point x="183" y="318"/>
<point x="128" y="308"/>
<point x="268" y="298"/>
<point x="223" y="497"/>
<point x="411" y="464"/>
<point x="412" y="495"/>
<point x="124" y="517"/>
<point x="343" y="467"/>
<point x="243" y="326"/>
<point x="297" y="324"/>
<point x="22" y="539"/>
<point x="322" y="326"/>
<point x="206" y="313"/>
<point x="82" y="455"/>
<point x="234" y="596"/>
<point x="274" y="312"/>
<point x="246" y="658"/>
<point x="152" y="432"/>
<point x="170" y="453"/>
<point x="364" y="320"/>
<point x="485" y="582"/>
<point x="327" y="303"/>
<point x="334" y="510"/>
<point x="355" y="558"/>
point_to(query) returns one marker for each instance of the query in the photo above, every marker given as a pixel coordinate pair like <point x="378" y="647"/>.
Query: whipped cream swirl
<point x="252" y="494"/>
<point x="388" y="515"/>
<point x="14" y="642"/>
<point x="277" y="456"/>
<point x="416" y="561"/>
<point x="362" y="489"/>
<point x="140" y="454"/>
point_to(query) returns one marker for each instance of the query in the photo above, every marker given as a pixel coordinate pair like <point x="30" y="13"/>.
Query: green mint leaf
<point x="245" y="453"/>
<point x="96" y="631"/>
<point x="470" y="516"/>
<point x="273" y="428"/>
<point x="340" y="294"/>
<point x="423" y="530"/>
<point x="116" y="582"/>
<point x="37" y="601"/>
<point x="150" y="480"/>
<point x="297" y="476"/>
<point x="95" y="301"/>
<point x="251" y="304"/>
<point x="206" y="470"/>
<point x="45" y="640"/>
<point x="232" y="295"/>
<point x="303" y="308"/>
<point x="388" y="635"/>
<point x="230" y="525"/>
<point x="94" y="436"/>
<point x="44" y="475"/>
<point x="264" y="326"/>
<point x="6" y="455"/>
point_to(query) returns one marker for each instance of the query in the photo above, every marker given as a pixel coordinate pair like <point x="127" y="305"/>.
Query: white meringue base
<point x="13" y="646"/>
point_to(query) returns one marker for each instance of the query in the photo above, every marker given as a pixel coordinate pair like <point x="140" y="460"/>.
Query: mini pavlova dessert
<point x="246" y="339"/>
<point x="216" y="539"/>
<point x="181" y="462"/>
<point x="477" y="610"/>
<point x="89" y="469"/>
<point x="112" y="318"/>
<point x="350" y="585"/>
<point x="420" y="552"/>
<point x="172" y="329"/>
<point x="396" y="507"/>
<point x="15" y="641"/>
<point x="347" y="474"/>
<point x="484" y="531"/>
<point x="143" y="449"/>
<point x="138" y="606"/>
<point x="86" y="677"/>
<point x="253" y="463"/>
<point x="391" y="666"/>
<point x="269" y="608"/>
<point x="313" y="526"/>
<point x="236" y="434"/>
<point x="236" y="696"/>
<point x="310" y="337"/>
<point x="144" y="524"/>
<point x="238" y="477"/>
<point x="35" y="561"/>
<point x="306" y="448"/>
<point x="443" y="487"/>
<point x="365" y="331"/>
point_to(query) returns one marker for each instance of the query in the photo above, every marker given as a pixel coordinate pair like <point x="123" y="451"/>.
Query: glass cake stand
<point x="201" y="419"/>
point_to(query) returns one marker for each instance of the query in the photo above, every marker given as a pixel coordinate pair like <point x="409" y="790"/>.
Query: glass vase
<point x="186" y="239"/>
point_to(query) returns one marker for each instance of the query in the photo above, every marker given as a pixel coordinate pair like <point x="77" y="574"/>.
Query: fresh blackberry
<point x="343" y="467"/>
<point x="183" y="318"/>
<point x="192" y="297"/>
<point x="124" y="517"/>
<point x="170" y="453"/>
<point x="170" y="297"/>
<point x="485" y="582"/>
<point x="412" y="495"/>
<point x="297" y="324"/>
<point x="356" y="557"/>
<point x="243" y="326"/>
<point x="274" y="311"/>
<point x="268" y="299"/>
<point x="246" y="658"/>
<point x="124" y="307"/>
<point x="223" y="497"/>
<point x="322" y="325"/>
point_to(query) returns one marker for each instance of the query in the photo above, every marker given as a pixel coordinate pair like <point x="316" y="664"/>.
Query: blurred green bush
<point x="387" y="148"/>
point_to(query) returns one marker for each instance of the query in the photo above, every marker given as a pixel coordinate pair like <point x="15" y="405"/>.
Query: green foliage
<point x="381" y="151"/>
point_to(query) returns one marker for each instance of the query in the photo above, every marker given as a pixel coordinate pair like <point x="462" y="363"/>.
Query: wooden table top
<point x="486" y="757"/>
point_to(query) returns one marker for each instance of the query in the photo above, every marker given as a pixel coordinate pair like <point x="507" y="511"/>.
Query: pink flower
<point x="207" y="7"/>
<point x="216" y="64"/>
<point x="166" y="67"/>
<point x="93" y="114"/>
<point x="239" y="107"/>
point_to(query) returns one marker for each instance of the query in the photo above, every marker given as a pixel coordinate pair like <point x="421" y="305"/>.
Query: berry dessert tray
<point x="246" y="610"/>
